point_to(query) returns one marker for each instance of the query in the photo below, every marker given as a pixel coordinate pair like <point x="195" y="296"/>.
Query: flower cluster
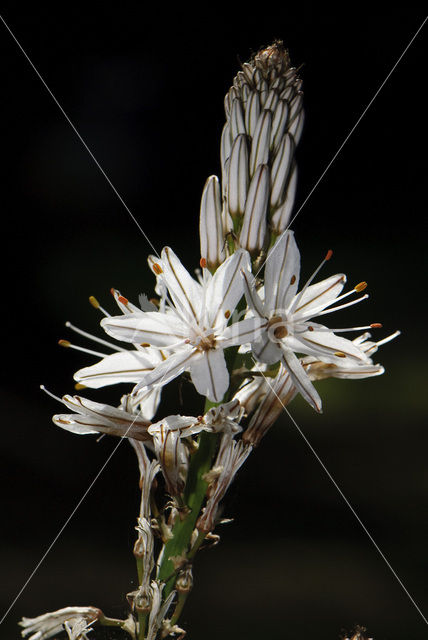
<point x="242" y="331"/>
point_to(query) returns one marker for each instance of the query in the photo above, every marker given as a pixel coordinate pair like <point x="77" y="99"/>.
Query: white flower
<point x="290" y="329"/>
<point x="93" y="417"/>
<point x="194" y="325"/>
<point x="49" y="624"/>
<point x="318" y="370"/>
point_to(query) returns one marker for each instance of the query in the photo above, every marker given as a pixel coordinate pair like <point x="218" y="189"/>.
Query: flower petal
<point x="125" y="366"/>
<point x="172" y="367"/>
<point x="282" y="272"/>
<point x="301" y="379"/>
<point x="326" y="344"/>
<point x="151" y="327"/>
<point x="226" y="288"/>
<point x="185" y="292"/>
<point x="210" y="375"/>
<point x="241" y="332"/>
<point x="318" y="296"/>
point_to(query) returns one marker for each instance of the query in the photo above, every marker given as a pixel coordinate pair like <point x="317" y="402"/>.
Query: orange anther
<point x="64" y="343"/>
<point x="329" y="254"/>
<point x="123" y="300"/>
<point x="94" y="302"/>
<point x="360" y="286"/>
<point x="227" y="314"/>
<point x="376" y="325"/>
<point x="145" y="344"/>
<point x="157" y="268"/>
<point x="203" y="263"/>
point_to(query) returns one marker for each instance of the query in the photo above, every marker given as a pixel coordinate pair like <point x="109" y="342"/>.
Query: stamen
<point x="49" y="393"/>
<point x="123" y="300"/>
<point x="94" y="302"/>
<point x="94" y="338"/>
<point x="339" y="354"/>
<point x="341" y="306"/>
<point x="66" y="343"/>
<point x="369" y="326"/>
<point x="389" y="338"/>
<point x="203" y="263"/>
<point x="79" y="386"/>
<point x="308" y="282"/>
<point x="227" y="314"/>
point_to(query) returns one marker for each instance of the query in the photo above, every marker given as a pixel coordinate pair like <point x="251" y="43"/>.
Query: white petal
<point x="281" y="272"/>
<point x="210" y="375"/>
<point x="210" y="225"/>
<point x="125" y="366"/>
<point x="251" y="295"/>
<point x="326" y="344"/>
<point x="172" y="367"/>
<point x="301" y="379"/>
<point x="76" y="423"/>
<point x="318" y="296"/>
<point x="185" y="292"/>
<point x="244" y="331"/>
<point x="150" y="327"/>
<point x="227" y="288"/>
<point x="148" y="402"/>
<point x="265" y="350"/>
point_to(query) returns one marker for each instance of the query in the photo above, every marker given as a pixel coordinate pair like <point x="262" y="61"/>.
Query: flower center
<point x="205" y="343"/>
<point x="281" y="330"/>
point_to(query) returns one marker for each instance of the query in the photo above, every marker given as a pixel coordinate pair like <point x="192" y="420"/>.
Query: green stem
<point x="194" y="495"/>
<point x="142" y="621"/>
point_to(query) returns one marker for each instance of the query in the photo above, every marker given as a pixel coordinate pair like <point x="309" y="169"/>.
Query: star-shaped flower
<point x="289" y="328"/>
<point x="195" y="327"/>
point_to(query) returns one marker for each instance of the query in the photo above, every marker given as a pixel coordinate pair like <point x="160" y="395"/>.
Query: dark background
<point x="144" y="86"/>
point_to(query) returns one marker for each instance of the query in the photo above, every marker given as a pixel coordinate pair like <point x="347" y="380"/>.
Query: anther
<point x="123" y="300"/>
<point x="376" y="325"/>
<point x="64" y="343"/>
<point x="360" y="287"/>
<point x="145" y="344"/>
<point x="227" y="314"/>
<point x="157" y="268"/>
<point x="293" y="279"/>
<point x="339" y="354"/>
<point x="94" y="302"/>
<point x="328" y="255"/>
<point x="203" y="263"/>
<point x="79" y="386"/>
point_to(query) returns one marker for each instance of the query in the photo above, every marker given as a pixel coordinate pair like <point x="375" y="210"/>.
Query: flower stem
<point x="194" y="495"/>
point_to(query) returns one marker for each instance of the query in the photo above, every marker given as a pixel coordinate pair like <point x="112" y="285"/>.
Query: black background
<point x="144" y="86"/>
